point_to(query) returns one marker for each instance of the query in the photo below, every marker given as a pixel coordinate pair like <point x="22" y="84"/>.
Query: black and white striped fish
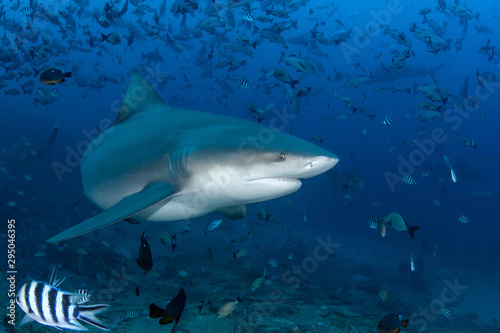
<point x="446" y="313"/>
<point x="440" y="10"/>
<point x="50" y="306"/>
<point x="248" y="17"/>
<point x="388" y="121"/>
<point x="453" y="175"/>
<point x="409" y="180"/>
<point x="244" y="84"/>
<point x="424" y="174"/>
<point x="269" y="72"/>
<point x="27" y="10"/>
<point x="269" y="106"/>
<point x="87" y="295"/>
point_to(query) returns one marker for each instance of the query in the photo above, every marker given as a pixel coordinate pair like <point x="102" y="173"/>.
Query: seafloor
<point x="339" y="294"/>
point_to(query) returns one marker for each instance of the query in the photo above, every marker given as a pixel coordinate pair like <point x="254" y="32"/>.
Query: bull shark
<point x="161" y="163"/>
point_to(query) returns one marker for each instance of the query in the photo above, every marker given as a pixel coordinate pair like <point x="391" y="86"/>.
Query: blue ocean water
<point x="452" y="46"/>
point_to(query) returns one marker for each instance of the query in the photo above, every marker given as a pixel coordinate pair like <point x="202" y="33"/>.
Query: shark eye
<point x="282" y="156"/>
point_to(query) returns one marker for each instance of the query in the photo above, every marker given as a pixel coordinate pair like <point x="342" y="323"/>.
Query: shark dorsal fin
<point x="140" y="96"/>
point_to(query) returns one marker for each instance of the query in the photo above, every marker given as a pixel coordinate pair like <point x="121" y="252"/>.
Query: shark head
<point x="160" y="163"/>
<point x="260" y="165"/>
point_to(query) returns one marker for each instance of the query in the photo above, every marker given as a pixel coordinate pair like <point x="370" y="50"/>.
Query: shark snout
<point x="320" y="164"/>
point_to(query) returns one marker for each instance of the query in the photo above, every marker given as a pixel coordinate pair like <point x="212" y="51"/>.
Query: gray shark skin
<point x="160" y="163"/>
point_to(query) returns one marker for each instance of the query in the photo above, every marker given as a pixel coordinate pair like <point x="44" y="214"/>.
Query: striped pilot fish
<point x="48" y="305"/>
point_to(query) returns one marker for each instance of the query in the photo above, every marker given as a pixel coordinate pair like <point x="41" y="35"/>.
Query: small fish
<point x="409" y="180"/>
<point x="258" y="281"/>
<point x="52" y="76"/>
<point x="183" y="274"/>
<point x="100" y="276"/>
<point x="388" y="121"/>
<point x="289" y="23"/>
<point x="270" y="73"/>
<point x="54" y="93"/>
<point x="383" y="296"/>
<point x="117" y="319"/>
<point x="240" y="253"/>
<point x="27" y="177"/>
<point x="273" y="263"/>
<point x="113" y="38"/>
<point x="412" y="263"/>
<point x="248" y="17"/>
<point x="290" y="255"/>
<point x="413" y="142"/>
<point x="469" y="143"/>
<point x="145" y="259"/>
<point x="363" y="94"/>
<point x="372" y="224"/>
<point x="244" y="84"/>
<point x="446" y="313"/>
<point x="228" y="308"/>
<point x="180" y="44"/>
<point x="317" y="139"/>
<point x="132" y="313"/>
<point x="463" y="218"/>
<point x="424" y="174"/>
<point x="137" y="291"/>
<point x="396" y="222"/>
<point x="39" y="254"/>
<point x="269" y="106"/>
<point x="214" y="225"/>
<point x="167" y="239"/>
<point x="349" y="103"/>
<point x="453" y="175"/>
<point x="335" y="92"/>
<point x="86" y="295"/>
<point x="269" y="282"/>
<point x="51" y="306"/>
<point x="342" y="116"/>
<point x="157" y="38"/>
<point x="172" y="312"/>
<point x="143" y="7"/>
<point x="127" y="253"/>
<point x="27" y="10"/>
<point x="391" y="324"/>
<point x="440" y="10"/>
<point x="421" y="131"/>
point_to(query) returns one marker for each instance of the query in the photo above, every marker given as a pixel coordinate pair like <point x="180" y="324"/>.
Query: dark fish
<point x="137" y="293"/>
<point x="172" y="312"/>
<point x="391" y="324"/>
<point x="145" y="259"/>
<point x="53" y="75"/>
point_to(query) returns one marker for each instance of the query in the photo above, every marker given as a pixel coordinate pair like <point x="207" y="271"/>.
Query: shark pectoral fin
<point x="125" y="208"/>
<point x="233" y="212"/>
